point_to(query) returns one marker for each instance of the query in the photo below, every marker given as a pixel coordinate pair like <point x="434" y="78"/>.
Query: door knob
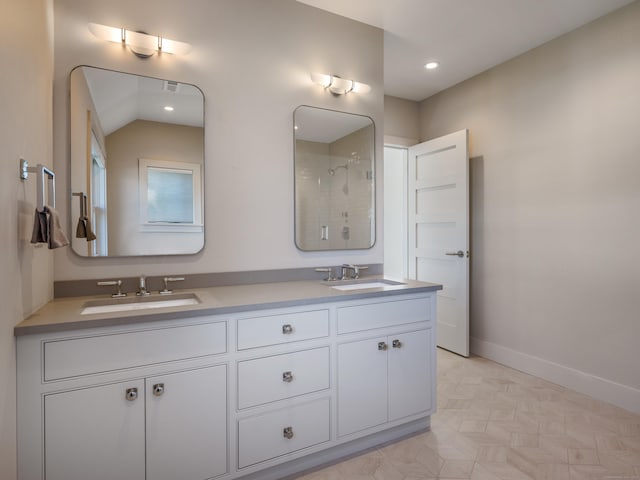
<point x="459" y="253"/>
<point x="131" y="394"/>
<point x="158" y="389"/>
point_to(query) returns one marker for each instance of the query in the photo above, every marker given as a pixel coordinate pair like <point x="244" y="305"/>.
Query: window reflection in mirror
<point x="119" y="122"/>
<point x="169" y="193"/>
<point x="334" y="180"/>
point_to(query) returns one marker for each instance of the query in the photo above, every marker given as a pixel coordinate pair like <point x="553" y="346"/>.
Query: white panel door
<point x="439" y="231"/>
<point x="187" y="424"/>
<point x="95" y="433"/>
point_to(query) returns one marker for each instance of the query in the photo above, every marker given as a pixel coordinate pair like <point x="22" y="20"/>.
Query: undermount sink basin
<point x="365" y="283"/>
<point x="138" y="303"/>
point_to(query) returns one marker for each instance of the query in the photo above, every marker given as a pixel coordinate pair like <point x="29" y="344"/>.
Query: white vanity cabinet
<point x="385" y="378"/>
<point x="284" y="385"/>
<point x="170" y="426"/>
<point x="132" y="402"/>
<point x="260" y="393"/>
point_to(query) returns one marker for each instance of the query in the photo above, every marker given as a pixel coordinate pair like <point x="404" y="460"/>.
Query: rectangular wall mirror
<point x="334" y="180"/>
<point x="137" y="165"/>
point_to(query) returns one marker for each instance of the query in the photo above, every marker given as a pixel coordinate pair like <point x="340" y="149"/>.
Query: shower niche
<point x="334" y="180"/>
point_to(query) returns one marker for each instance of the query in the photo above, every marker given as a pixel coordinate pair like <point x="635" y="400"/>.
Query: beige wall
<point x="252" y="59"/>
<point x="124" y="147"/>
<point x="401" y="121"/>
<point x="25" y="131"/>
<point x="556" y="205"/>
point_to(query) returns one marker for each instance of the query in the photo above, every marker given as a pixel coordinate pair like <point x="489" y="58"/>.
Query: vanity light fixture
<point x="140" y="43"/>
<point x="338" y="85"/>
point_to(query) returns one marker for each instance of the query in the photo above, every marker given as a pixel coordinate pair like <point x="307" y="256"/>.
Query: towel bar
<point x="41" y="171"/>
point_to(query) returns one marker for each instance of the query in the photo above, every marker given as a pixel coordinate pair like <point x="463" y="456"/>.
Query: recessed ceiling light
<point x="431" y="65"/>
<point x="168" y="108"/>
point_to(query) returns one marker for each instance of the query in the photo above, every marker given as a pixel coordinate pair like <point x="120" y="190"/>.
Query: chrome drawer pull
<point x="131" y="394"/>
<point x="158" y="389"/>
<point x="382" y="346"/>
<point x="396" y="343"/>
<point x="287" y="377"/>
<point x="288" y="433"/>
<point x="286" y="329"/>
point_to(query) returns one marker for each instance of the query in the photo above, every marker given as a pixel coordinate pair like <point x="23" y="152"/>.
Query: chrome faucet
<point x="117" y="283"/>
<point x="166" y="281"/>
<point x="356" y="271"/>
<point x="346" y="269"/>
<point x="328" y="270"/>
<point x="142" y="285"/>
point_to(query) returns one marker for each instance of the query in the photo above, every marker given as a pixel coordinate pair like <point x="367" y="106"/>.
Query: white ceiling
<point x="120" y="98"/>
<point x="466" y="36"/>
<point x="326" y="126"/>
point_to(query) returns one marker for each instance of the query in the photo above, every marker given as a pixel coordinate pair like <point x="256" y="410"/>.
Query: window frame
<point x="163" y="227"/>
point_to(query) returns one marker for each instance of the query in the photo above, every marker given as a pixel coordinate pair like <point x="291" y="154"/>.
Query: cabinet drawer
<point x="274" y="329"/>
<point x="384" y="314"/>
<point x="263" y="437"/>
<point x="83" y="356"/>
<point x="268" y="379"/>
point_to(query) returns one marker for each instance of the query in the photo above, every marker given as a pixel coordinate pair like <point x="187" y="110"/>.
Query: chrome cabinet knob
<point x="158" y="389"/>
<point x="382" y="345"/>
<point x="131" y="394"/>
<point x="287" y="377"/>
<point x="396" y="343"/>
<point x="288" y="433"/>
<point x="286" y="329"/>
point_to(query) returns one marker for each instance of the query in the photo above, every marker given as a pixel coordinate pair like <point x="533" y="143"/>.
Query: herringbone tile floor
<point x="495" y="423"/>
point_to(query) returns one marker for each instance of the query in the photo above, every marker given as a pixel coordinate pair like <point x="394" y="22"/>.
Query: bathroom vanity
<point x="256" y="381"/>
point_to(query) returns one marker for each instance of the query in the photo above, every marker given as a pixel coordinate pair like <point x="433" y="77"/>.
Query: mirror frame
<point x="73" y="197"/>
<point x="374" y="216"/>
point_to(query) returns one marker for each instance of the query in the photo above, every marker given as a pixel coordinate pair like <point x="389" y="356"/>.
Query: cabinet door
<point x="187" y="424"/>
<point x="362" y="385"/>
<point x="409" y="374"/>
<point x="95" y="433"/>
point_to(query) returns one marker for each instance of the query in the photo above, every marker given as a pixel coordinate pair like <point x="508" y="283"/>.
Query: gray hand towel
<point x="57" y="238"/>
<point x="47" y="229"/>
<point x="90" y="235"/>
<point x="40" y="232"/>
<point x="81" y="229"/>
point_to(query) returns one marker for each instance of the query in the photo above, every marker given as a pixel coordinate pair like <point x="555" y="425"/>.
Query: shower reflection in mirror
<point x="334" y="181"/>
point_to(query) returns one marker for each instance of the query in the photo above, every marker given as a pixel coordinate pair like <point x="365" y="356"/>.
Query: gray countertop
<point x="64" y="313"/>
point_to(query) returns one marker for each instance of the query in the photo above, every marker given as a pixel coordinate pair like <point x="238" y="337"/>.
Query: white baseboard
<point x="615" y="393"/>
